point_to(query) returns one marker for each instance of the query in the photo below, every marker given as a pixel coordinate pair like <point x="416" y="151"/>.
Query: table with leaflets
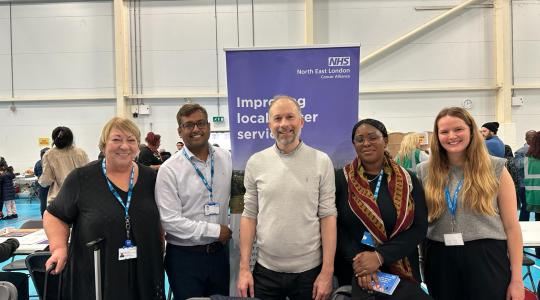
<point x="30" y="240"/>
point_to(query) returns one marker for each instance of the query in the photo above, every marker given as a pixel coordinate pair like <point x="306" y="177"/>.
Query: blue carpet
<point x="29" y="209"/>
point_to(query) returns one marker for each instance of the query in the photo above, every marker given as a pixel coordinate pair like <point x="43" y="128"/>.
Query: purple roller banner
<point x="323" y="80"/>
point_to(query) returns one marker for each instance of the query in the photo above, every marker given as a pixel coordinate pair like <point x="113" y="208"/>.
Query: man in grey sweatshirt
<point x="290" y="205"/>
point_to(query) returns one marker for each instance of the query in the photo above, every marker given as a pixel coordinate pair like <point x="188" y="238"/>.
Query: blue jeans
<point x="195" y="273"/>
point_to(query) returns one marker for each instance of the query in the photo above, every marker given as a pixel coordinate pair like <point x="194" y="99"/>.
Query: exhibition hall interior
<point x="79" y="64"/>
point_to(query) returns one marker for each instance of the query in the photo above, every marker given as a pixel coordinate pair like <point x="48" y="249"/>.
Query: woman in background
<point x="61" y="159"/>
<point x="110" y="199"/>
<point x="42" y="191"/>
<point x="410" y="154"/>
<point x="474" y="247"/>
<point x="149" y="155"/>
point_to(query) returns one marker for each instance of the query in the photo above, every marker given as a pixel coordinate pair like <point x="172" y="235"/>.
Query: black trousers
<point x="479" y="270"/>
<point x="197" y="274"/>
<point x="19" y="280"/>
<point x="42" y="194"/>
<point x="277" y="285"/>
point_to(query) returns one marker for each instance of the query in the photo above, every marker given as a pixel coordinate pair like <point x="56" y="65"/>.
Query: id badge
<point x="453" y="239"/>
<point x="126" y="253"/>
<point x="212" y="208"/>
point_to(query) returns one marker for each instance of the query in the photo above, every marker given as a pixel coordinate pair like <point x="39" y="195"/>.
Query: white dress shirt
<point x="181" y="197"/>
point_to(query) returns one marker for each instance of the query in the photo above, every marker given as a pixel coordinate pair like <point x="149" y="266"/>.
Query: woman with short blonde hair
<point x="112" y="200"/>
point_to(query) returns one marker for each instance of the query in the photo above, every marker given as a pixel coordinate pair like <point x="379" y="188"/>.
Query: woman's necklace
<point x="374" y="178"/>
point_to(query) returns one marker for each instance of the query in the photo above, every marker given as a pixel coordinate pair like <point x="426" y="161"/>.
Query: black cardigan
<point x="7" y="248"/>
<point x="350" y="229"/>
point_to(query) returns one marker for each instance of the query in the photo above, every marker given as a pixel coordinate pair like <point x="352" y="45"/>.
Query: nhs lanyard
<point x="378" y="186"/>
<point x="201" y="175"/>
<point x="117" y="196"/>
<point x="452" y="202"/>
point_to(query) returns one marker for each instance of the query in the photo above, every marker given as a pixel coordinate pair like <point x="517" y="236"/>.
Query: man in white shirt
<point x="290" y="204"/>
<point x="192" y="193"/>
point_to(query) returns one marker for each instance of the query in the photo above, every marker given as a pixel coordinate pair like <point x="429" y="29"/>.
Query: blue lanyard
<point x="117" y="196"/>
<point x="201" y="175"/>
<point x="452" y="202"/>
<point x="378" y="186"/>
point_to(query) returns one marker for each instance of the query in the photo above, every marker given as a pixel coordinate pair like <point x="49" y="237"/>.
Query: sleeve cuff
<point x="213" y="230"/>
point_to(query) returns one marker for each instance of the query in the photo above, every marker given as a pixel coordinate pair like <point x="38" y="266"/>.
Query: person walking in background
<point x="60" y="160"/>
<point x="42" y="191"/>
<point x="3" y="164"/>
<point x="474" y="247"/>
<point x="290" y="208"/>
<point x="8" y="191"/>
<point x="112" y="199"/>
<point x="193" y="190"/>
<point x="377" y="197"/>
<point x="410" y="154"/>
<point x="494" y="144"/>
<point x="149" y="155"/>
<point x="520" y="154"/>
<point x="531" y="179"/>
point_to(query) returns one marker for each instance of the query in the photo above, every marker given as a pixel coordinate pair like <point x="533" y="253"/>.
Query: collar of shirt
<point x="290" y="153"/>
<point x="192" y="156"/>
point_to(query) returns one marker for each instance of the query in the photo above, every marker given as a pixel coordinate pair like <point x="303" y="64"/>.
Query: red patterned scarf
<point x="363" y="204"/>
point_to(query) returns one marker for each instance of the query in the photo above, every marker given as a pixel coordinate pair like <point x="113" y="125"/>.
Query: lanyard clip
<point x="128" y="226"/>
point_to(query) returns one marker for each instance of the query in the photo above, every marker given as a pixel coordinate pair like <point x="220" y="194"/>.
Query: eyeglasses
<point x="371" y="138"/>
<point x="202" y="124"/>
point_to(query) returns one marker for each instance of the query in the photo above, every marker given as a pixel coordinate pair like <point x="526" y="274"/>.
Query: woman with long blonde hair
<point x="474" y="244"/>
<point x="410" y="154"/>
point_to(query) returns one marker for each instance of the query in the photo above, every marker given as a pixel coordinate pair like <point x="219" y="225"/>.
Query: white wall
<point x="63" y="49"/>
<point x="20" y="130"/>
<point x="5" y="57"/>
<point x="66" y="49"/>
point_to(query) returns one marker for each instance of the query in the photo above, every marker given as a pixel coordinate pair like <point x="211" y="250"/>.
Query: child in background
<point x="8" y="191"/>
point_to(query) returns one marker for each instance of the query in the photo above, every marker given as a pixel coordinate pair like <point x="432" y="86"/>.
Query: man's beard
<point x="285" y="141"/>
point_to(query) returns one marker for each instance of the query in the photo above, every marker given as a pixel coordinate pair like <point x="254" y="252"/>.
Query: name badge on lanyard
<point x="454" y="238"/>
<point x="128" y="251"/>
<point x="210" y="208"/>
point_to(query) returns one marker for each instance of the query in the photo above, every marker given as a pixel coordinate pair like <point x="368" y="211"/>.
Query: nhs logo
<point x="342" y="61"/>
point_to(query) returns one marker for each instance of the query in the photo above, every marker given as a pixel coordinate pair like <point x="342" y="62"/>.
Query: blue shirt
<point x="495" y="146"/>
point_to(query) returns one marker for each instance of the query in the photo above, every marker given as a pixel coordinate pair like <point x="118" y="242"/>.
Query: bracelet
<point x="378" y="258"/>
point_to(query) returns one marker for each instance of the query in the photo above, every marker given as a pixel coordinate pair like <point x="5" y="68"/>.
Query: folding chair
<point x="527" y="262"/>
<point x="32" y="224"/>
<point x="19" y="265"/>
<point x="8" y="291"/>
<point x="48" y="286"/>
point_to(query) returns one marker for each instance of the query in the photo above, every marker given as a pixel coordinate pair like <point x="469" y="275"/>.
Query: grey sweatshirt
<point x="288" y="194"/>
